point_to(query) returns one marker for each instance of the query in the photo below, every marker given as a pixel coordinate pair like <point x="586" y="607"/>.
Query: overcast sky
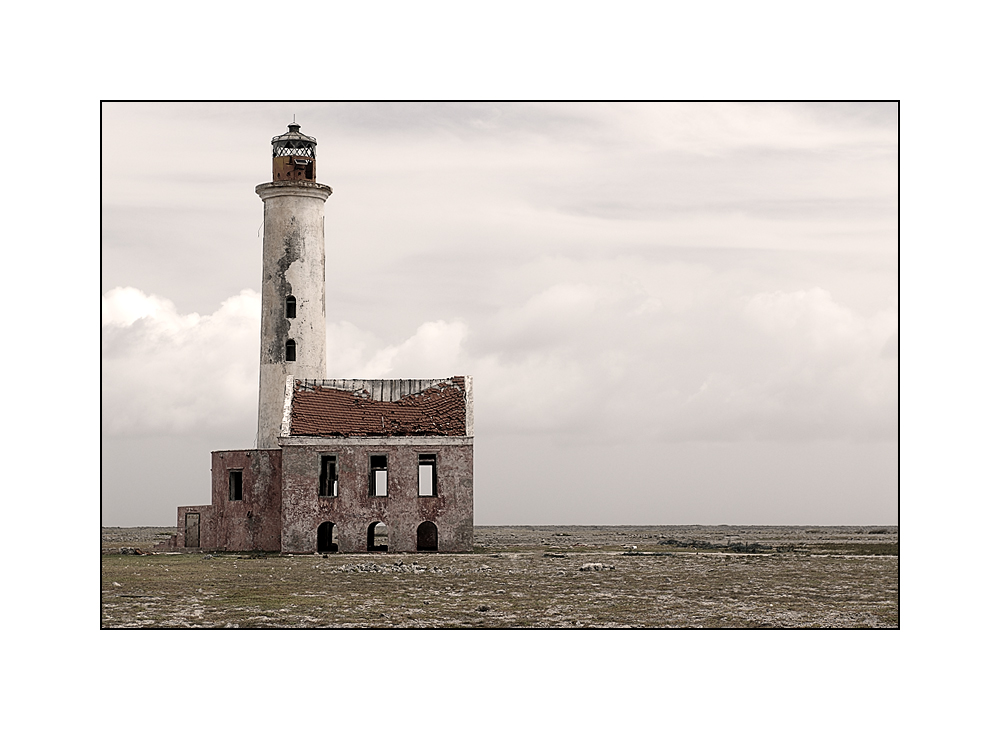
<point x="673" y="313"/>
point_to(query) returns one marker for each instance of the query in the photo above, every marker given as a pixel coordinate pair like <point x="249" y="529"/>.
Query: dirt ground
<point x="522" y="576"/>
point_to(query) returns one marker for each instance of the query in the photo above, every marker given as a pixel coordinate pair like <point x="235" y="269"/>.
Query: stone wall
<point x="353" y="509"/>
<point x="253" y="522"/>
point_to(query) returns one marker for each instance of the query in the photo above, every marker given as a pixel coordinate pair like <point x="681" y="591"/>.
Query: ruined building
<point x="348" y="465"/>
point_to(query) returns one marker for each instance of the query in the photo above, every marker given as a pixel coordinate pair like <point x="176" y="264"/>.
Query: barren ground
<point x="677" y="576"/>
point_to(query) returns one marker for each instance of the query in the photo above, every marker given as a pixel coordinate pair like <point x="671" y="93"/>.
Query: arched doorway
<point x="427" y="536"/>
<point x="378" y="537"/>
<point x="326" y="538"/>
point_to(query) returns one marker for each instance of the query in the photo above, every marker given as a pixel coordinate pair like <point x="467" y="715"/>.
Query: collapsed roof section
<point x="378" y="408"/>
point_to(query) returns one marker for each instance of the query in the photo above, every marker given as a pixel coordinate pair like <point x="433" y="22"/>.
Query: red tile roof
<point x="333" y="408"/>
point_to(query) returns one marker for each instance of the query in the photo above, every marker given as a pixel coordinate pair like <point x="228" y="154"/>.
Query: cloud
<point x="433" y="351"/>
<point x="163" y="372"/>
<point x="827" y="372"/>
<point x="677" y="358"/>
<point x="675" y="355"/>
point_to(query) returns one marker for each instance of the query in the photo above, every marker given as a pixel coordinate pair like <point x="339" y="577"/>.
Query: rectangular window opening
<point x="427" y="475"/>
<point x="378" y="476"/>
<point x="235" y="485"/>
<point x="328" y="476"/>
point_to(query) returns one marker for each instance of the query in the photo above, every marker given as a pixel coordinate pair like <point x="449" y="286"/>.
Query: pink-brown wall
<point x="254" y="522"/>
<point x="353" y="510"/>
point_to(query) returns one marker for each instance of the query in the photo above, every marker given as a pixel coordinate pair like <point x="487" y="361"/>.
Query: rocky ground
<point x="534" y="576"/>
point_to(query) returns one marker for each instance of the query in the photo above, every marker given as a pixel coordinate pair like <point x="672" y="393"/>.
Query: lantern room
<point x="294" y="156"/>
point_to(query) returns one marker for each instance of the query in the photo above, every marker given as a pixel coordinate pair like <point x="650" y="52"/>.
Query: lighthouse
<point x="340" y="465"/>
<point x="293" y="287"/>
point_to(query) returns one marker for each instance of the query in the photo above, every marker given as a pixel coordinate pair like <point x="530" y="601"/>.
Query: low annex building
<point x="339" y="465"/>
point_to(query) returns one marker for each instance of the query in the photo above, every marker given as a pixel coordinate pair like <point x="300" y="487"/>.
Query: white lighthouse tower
<point x="365" y="452"/>
<point x="293" y="290"/>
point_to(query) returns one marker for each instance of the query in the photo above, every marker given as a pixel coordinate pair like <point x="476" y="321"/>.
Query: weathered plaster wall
<point x="294" y="263"/>
<point x="253" y="523"/>
<point x="402" y="510"/>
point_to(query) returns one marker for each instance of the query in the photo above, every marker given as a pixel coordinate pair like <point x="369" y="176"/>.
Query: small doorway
<point x="427" y="536"/>
<point x="378" y="537"/>
<point x="326" y="538"/>
<point x="192" y="530"/>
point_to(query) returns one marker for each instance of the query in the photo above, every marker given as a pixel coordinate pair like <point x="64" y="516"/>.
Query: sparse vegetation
<point x="830" y="577"/>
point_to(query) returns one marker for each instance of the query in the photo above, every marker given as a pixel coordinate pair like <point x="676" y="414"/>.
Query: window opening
<point x="328" y="476"/>
<point x="290" y="351"/>
<point x="290" y="307"/>
<point x="378" y="476"/>
<point x="326" y="538"/>
<point x="427" y="475"/>
<point x="235" y="485"/>
<point x="427" y="536"/>
<point x="378" y="537"/>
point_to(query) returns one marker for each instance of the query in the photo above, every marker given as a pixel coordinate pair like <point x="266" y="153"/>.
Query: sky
<point x="673" y="313"/>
